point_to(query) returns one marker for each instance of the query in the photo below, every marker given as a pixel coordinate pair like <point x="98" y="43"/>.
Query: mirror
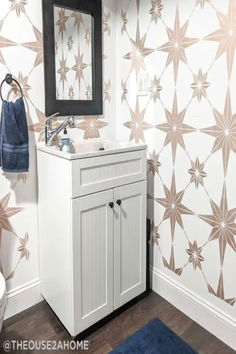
<point x="73" y="59"/>
<point x="73" y="56"/>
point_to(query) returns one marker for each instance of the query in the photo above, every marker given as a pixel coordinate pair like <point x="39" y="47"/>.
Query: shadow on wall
<point x="150" y="216"/>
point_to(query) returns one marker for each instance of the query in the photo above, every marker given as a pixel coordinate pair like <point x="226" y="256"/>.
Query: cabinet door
<point x="92" y="258"/>
<point x="129" y="242"/>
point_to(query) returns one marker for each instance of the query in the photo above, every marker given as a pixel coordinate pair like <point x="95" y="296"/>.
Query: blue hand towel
<point x="14" y="150"/>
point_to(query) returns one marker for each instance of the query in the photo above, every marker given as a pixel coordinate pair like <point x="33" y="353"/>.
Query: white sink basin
<point x="92" y="147"/>
<point x="86" y="147"/>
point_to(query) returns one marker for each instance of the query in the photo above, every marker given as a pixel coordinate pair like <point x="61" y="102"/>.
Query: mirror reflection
<point x="73" y="59"/>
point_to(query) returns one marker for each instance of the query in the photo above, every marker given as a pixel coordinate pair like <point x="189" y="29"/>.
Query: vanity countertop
<point x="91" y="148"/>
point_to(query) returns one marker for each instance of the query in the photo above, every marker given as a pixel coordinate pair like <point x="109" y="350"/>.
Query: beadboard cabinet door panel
<point x="129" y="242"/>
<point x="92" y="258"/>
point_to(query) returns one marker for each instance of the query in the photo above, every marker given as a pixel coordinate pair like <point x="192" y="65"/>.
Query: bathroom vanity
<point x="92" y="228"/>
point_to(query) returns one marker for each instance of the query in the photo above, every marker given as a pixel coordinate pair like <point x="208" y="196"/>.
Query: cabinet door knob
<point x="111" y="205"/>
<point x="118" y="202"/>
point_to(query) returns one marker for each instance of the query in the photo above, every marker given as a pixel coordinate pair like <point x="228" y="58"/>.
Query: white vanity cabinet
<point x="92" y="229"/>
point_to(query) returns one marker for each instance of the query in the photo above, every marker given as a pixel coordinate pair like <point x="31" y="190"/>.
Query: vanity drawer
<point x="95" y="174"/>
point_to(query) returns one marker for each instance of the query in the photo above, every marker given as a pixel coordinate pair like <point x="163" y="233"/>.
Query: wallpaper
<point x="169" y="81"/>
<point x="183" y="52"/>
<point x="21" y="53"/>
<point x="73" y="48"/>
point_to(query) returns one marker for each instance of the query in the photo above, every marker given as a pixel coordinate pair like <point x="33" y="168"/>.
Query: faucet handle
<point x="52" y="116"/>
<point x="71" y="120"/>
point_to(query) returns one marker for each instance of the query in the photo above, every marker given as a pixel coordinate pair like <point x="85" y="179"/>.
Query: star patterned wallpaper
<point x="21" y="53"/>
<point x="186" y="51"/>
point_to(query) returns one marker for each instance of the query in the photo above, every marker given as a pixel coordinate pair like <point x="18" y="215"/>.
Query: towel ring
<point x="9" y="79"/>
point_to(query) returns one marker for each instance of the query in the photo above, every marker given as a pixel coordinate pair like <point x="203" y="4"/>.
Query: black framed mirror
<point x="72" y="33"/>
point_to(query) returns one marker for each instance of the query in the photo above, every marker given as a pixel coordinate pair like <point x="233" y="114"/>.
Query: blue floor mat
<point x="154" y="338"/>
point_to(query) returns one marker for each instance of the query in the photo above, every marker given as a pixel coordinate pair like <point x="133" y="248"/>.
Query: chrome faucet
<point x="51" y="134"/>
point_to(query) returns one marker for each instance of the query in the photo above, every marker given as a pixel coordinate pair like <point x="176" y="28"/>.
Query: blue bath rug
<point x="154" y="338"/>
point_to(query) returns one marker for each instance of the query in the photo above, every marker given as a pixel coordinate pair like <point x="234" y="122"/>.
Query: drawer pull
<point x="118" y="202"/>
<point x="111" y="205"/>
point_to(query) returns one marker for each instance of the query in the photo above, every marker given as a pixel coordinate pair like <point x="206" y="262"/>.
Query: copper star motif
<point x="5" y="213"/>
<point x="24" y="252"/>
<point x="88" y="92"/>
<point x="2" y="60"/>
<point x="195" y="256"/>
<point x="224" y="131"/>
<point x="174" y="207"/>
<point x="23" y="81"/>
<point x="124" y="21"/>
<point x="177" y="44"/>
<point x="175" y="128"/>
<point x="18" y="6"/>
<point x="197" y="173"/>
<point x="155" y="234"/>
<point x="62" y="21"/>
<point x="39" y="127"/>
<point x="106" y="19"/>
<point x="138" y="5"/>
<point x="137" y="124"/>
<point x="155" y="89"/>
<point x="138" y="51"/>
<point x="36" y="46"/>
<point x="71" y="93"/>
<point x="4" y="42"/>
<point x="124" y="91"/>
<point x="63" y="70"/>
<point x="88" y="35"/>
<point x="154" y="163"/>
<point x="79" y="67"/>
<point x="156" y="9"/>
<point x="91" y="126"/>
<point x="78" y="19"/>
<point x="223" y="224"/>
<point x="22" y="176"/>
<point x="171" y="264"/>
<point x="70" y="43"/>
<point x="11" y="275"/>
<point x="200" y="85"/>
<point x="220" y="291"/>
<point x="107" y="87"/>
<point x="202" y="3"/>
<point x="226" y="35"/>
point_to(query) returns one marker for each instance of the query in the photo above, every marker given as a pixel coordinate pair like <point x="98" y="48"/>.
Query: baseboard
<point x="23" y="297"/>
<point x="208" y="316"/>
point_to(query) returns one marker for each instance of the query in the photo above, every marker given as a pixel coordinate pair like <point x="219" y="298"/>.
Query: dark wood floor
<point x="40" y="323"/>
